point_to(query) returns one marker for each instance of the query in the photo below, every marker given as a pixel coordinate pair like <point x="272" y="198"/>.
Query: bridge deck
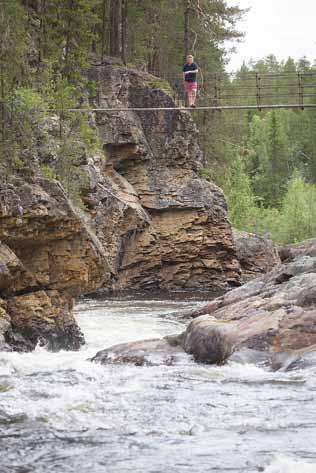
<point x="211" y="107"/>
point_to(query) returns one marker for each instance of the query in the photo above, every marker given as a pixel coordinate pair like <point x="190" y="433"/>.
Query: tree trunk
<point x="2" y="104"/>
<point x="187" y="14"/>
<point x="103" y="33"/>
<point x="94" y="42"/>
<point x="124" y="30"/>
<point x="153" y="18"/>
<point x="68" y="37"/>
<point x="115" y="28"/>
<point x="42" y="15"/>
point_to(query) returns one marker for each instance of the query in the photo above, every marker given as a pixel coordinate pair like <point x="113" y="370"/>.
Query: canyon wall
<point x="47" y="259"/>
<point x="162" y="226"/>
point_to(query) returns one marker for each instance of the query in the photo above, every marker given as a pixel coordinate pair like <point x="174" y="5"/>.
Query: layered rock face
<point x="47" y="258"/>
<point x="162" y="226"/>
<point x="269" y="320"/>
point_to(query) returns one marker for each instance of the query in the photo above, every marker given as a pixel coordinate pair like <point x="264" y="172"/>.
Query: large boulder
<point x="287" y="253"/>
<point x="5" y="325"/>
<point x="143" y="353"/>
<point x="47" y="259"/>
<point x="257" y="255"/>
<point x="274" y="314"/>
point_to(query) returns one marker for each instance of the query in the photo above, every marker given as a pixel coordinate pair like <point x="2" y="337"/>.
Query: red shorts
<point x="189" y="86"/>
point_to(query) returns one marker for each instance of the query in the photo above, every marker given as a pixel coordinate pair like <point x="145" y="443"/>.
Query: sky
<point x="282" y="27"/>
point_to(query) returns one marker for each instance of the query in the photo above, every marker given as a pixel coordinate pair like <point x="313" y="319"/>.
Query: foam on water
<point x="288" y="465"/>
<point x="69" y="415"/>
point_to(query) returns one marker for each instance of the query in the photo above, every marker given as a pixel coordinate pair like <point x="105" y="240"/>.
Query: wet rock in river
<point x="274" y="314"/>
<point x="144" y="353"/>
<point x="8" y="419"/>
<point x="207" y="342"/>
<point x="270" y="321"/>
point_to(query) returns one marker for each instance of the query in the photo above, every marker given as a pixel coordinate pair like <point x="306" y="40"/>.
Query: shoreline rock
<point x="270" y="320"/>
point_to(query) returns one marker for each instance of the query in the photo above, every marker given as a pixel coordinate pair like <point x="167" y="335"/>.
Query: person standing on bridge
<point x="190" y="70"/>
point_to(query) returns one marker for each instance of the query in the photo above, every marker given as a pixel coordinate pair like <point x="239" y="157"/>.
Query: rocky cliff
<point x="153" y="222"/>
<point x="160" y="224"/>
<point x="47" y="259"/>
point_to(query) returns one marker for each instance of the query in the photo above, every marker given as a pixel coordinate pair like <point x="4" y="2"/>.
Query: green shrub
<point x="293" y="221"/>
<point x="298" y="211"/>
<point x="48" y="172"/>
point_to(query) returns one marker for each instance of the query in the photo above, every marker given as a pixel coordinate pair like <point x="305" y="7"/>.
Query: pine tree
<point x="13" y="73"/>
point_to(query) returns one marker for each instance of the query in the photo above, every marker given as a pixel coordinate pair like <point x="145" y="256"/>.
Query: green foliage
<point x="156" y="35"/>
<point x="157" y="83"/>
<point x="294" y="221"/>
<point x="48" y="172"/>
<point x="206" y="174"/>
<point x="13" y="47"/>
<point x="66" y="31"/>
<point x="24" y="114"/>
<point x="240" y="196"/>
<point x="28" y="101"/>
<point x="89" y="135"/>
<point x="13" y="68"/>
<point x="298" y="211"/>
<point x="266" y="161"/>
<point x="270" y="153"/>
<point x="68" y="170"/>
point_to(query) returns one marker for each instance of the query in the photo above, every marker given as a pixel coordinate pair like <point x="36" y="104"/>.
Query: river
<point x="60" y="413"/>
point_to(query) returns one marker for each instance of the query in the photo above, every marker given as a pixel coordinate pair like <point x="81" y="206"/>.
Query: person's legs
<point x="188" y="93"/>
<point x="193" y="96"/>
<point x="190" y="89"/>
<point x="194" y="90"/>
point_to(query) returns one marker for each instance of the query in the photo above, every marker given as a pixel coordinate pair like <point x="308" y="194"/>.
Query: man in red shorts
<point x="190" y="70"/>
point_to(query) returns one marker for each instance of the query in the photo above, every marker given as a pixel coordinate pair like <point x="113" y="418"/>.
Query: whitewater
<point x="60" y="413"/>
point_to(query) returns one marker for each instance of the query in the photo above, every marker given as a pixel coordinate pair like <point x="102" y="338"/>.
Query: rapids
<point x="60" y="413"/>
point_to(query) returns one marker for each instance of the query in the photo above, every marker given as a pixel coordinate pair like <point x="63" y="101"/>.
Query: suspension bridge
<point x="237" y="91"/>
<point x="242" y="91"/>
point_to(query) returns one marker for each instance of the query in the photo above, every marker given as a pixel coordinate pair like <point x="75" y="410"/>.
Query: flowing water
<point x="60" y="413"/>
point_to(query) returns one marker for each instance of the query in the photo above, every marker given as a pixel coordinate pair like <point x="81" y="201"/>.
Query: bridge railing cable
<point x="237" y="91"/>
